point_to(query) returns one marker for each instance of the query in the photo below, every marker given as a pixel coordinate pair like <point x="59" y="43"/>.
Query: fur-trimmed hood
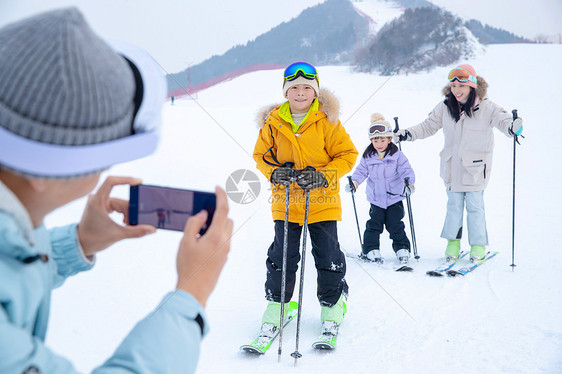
<point x="329" y="104"/>
<point x="481" y="91"/>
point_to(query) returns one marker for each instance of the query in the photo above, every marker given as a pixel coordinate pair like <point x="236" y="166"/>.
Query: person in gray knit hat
<point x="72" y="105"/>
<point x="68" y="96"/>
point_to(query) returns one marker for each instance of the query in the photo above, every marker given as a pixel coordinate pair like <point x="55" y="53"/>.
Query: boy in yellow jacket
<point x="305" y="131"/>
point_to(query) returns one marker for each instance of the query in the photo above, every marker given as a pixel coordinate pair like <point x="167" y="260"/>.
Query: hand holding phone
<point x="96" y="230"/>
<point x="201" y="258"/>
<point x="168" y="208"/>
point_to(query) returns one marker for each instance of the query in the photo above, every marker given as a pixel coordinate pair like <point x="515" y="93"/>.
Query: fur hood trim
<point x="329" y="104"/>
<point x="481" y="91"/>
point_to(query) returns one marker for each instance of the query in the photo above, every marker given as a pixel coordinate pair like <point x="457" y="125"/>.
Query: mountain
<point x="373" y="35"/>
<point x="484" y="33"/>
<point x="324" y="34"/>
<point x="412" y="4"/>
<point x="419" y="39"/>
<point x="492" y="35"/>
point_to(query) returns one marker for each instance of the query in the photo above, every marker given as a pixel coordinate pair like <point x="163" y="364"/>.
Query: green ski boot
<point x="453" y="249"/>
<point x="334" y="313"/>
<point x="331" y="318"/>
<point x="477" y="252"/>
<point x="270" y="326"/>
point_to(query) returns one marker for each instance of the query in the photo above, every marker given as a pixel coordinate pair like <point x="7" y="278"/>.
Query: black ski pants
<point x="391" y="217"/>
<point x="329" y="260"/>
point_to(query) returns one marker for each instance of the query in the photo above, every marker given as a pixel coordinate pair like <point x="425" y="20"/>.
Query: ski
<point x="363" y="258"/>
<point x="261" y="344"/>
<point x="404" y="268"/>
<point x="360" y="257"/>
<point x="438" y="272"/>
<point x="467" y="269"/>
<point x="327" y="340"/>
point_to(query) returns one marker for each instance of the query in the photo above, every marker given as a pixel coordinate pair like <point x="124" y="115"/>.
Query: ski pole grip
<point x="351" y="185"/>
<point x="293" y="174"/>
<point x="514" y="113"/>
<point x="407" y="181"/>
<point x="396" y="127"/>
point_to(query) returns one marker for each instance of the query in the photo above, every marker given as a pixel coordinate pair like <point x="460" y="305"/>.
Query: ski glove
<point x="409" y="189"/>
<point x="283" y="175"/>
<point x="516" y="127"/>
<point x="310" y="178"/>
<point x="404" y="135"/>
<point x="350" y="187"/>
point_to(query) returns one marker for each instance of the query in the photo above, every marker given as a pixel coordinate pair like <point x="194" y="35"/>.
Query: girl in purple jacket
<point x="386" y="169"/>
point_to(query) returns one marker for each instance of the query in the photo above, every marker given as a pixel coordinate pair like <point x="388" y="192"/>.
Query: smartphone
<point x="168" y="208"/>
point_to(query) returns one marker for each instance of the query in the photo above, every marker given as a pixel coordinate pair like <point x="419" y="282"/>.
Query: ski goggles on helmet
<point x="379" y="129"/>
<point x="461" y="75"/>
<point x="297" y="69"/>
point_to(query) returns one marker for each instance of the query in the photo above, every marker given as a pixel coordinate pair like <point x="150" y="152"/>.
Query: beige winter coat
<point x="466" y="158"/>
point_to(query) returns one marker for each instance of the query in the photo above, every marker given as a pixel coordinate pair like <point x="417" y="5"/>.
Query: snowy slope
<point x="379" y="12"/>
<point x="492" y="321"/>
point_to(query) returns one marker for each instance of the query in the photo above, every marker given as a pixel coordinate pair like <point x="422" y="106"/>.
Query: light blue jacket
<point x="385" y="178"/>
<point x="35" y="261"/>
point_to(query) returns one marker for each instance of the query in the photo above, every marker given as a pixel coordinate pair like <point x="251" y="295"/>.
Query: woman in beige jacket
<point x="467" y="118"/>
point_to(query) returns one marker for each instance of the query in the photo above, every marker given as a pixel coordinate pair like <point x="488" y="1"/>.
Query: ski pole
<point x="408" y="202"/>
<point x="296" y="354"/>
<point x="411" y="219"/>
<point x="284" y="266"/>
<point x="355" y="210"/>
<point x="514" y="113"/>
<point x="396" y="128"/>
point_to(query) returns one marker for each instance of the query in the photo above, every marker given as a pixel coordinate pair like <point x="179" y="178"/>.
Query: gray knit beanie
<point x="71" y="104"/>
<point x="61" y="84"/>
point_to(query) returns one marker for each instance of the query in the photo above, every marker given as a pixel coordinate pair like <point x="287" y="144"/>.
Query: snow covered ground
<point x="380" y="12"/>
<point x="495" y="320"/>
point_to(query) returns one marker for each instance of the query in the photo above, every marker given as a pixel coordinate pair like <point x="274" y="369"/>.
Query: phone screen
<point x="168" y="208"/>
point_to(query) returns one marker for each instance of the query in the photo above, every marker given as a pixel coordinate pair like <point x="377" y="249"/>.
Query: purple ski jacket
<point x="385" y="178"/>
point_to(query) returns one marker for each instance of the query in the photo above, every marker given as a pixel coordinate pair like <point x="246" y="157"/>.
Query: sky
<point x="527" y="18"/>
<point x="177" y="33"/>
<point x="180" y="33"/>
